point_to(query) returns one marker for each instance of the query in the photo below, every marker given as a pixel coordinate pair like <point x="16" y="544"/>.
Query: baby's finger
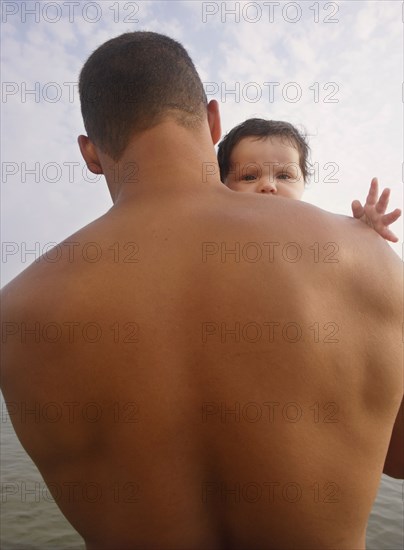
<point x="357" y="209"/>
<point x="391" y="217"/>
<point x="389" y="236"/>
<point x="373" y="192"/>
<point x="383" y="201"/>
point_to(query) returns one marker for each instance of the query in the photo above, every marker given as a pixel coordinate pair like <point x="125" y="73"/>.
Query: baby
<point x="269" y="156"/>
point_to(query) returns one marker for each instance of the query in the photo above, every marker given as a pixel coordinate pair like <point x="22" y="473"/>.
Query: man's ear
<point x="214" y="120"/>
<point x="90" y="155"/>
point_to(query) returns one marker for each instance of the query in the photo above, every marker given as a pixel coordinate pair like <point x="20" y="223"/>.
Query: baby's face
<point x="269" y="165"/>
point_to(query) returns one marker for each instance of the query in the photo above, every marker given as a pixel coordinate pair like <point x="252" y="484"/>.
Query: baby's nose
<point x="268" y="186"/>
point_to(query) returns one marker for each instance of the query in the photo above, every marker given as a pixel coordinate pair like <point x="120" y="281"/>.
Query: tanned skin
<point x="151" y="455"/>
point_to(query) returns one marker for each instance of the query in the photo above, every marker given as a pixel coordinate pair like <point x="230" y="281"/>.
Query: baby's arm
<point x="373" y="213"/>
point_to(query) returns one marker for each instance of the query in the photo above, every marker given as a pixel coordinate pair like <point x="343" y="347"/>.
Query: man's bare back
<point x="201" y="369"/>
<point x="228" y="403"/>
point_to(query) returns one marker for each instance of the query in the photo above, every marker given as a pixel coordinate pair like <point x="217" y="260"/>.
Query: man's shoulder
<point x="374" y="271"/>
<point x="343" y="246"/>
<point x="300" y="221"/>
<point x="53" y="274"/>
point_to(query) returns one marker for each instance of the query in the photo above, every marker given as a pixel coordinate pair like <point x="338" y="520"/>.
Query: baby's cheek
<point x="232" y="185"/>
<point x="288" y="194"/>
<point x="239" y="187"/>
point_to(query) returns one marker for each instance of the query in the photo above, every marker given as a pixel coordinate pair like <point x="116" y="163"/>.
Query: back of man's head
<point x="133" y="82"/>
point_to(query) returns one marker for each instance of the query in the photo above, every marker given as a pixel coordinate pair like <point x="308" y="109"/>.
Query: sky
<point x="334" y="69"/>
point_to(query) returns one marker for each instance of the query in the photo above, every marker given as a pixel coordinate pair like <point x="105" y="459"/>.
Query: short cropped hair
<point x="262" y="129"/>
<point x="134" y="81"/>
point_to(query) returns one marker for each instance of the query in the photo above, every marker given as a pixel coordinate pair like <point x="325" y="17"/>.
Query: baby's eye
<point x="248" y="177"/>
<point x="284" y="176"/>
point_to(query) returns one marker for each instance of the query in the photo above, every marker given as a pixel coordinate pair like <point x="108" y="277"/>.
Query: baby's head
<point x="265" y="156"/>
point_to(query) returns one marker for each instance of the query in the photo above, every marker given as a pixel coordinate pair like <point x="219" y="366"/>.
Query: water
<point x="30" y="520"/>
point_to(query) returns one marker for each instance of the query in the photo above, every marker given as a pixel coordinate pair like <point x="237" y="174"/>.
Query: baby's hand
<point x="373" y="213"/>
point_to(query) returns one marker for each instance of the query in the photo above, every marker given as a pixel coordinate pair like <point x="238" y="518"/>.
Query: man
<point x="207" y="369"/>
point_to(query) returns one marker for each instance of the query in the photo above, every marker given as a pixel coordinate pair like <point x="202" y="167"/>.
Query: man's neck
<point x="166" y="159"/>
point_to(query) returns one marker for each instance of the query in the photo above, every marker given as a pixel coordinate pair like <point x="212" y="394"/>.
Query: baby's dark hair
<point x="262" y="128"/>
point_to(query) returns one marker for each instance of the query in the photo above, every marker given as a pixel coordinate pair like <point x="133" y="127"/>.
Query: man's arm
<point x="394" y="463"/>
<point x="385" y="292"/>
